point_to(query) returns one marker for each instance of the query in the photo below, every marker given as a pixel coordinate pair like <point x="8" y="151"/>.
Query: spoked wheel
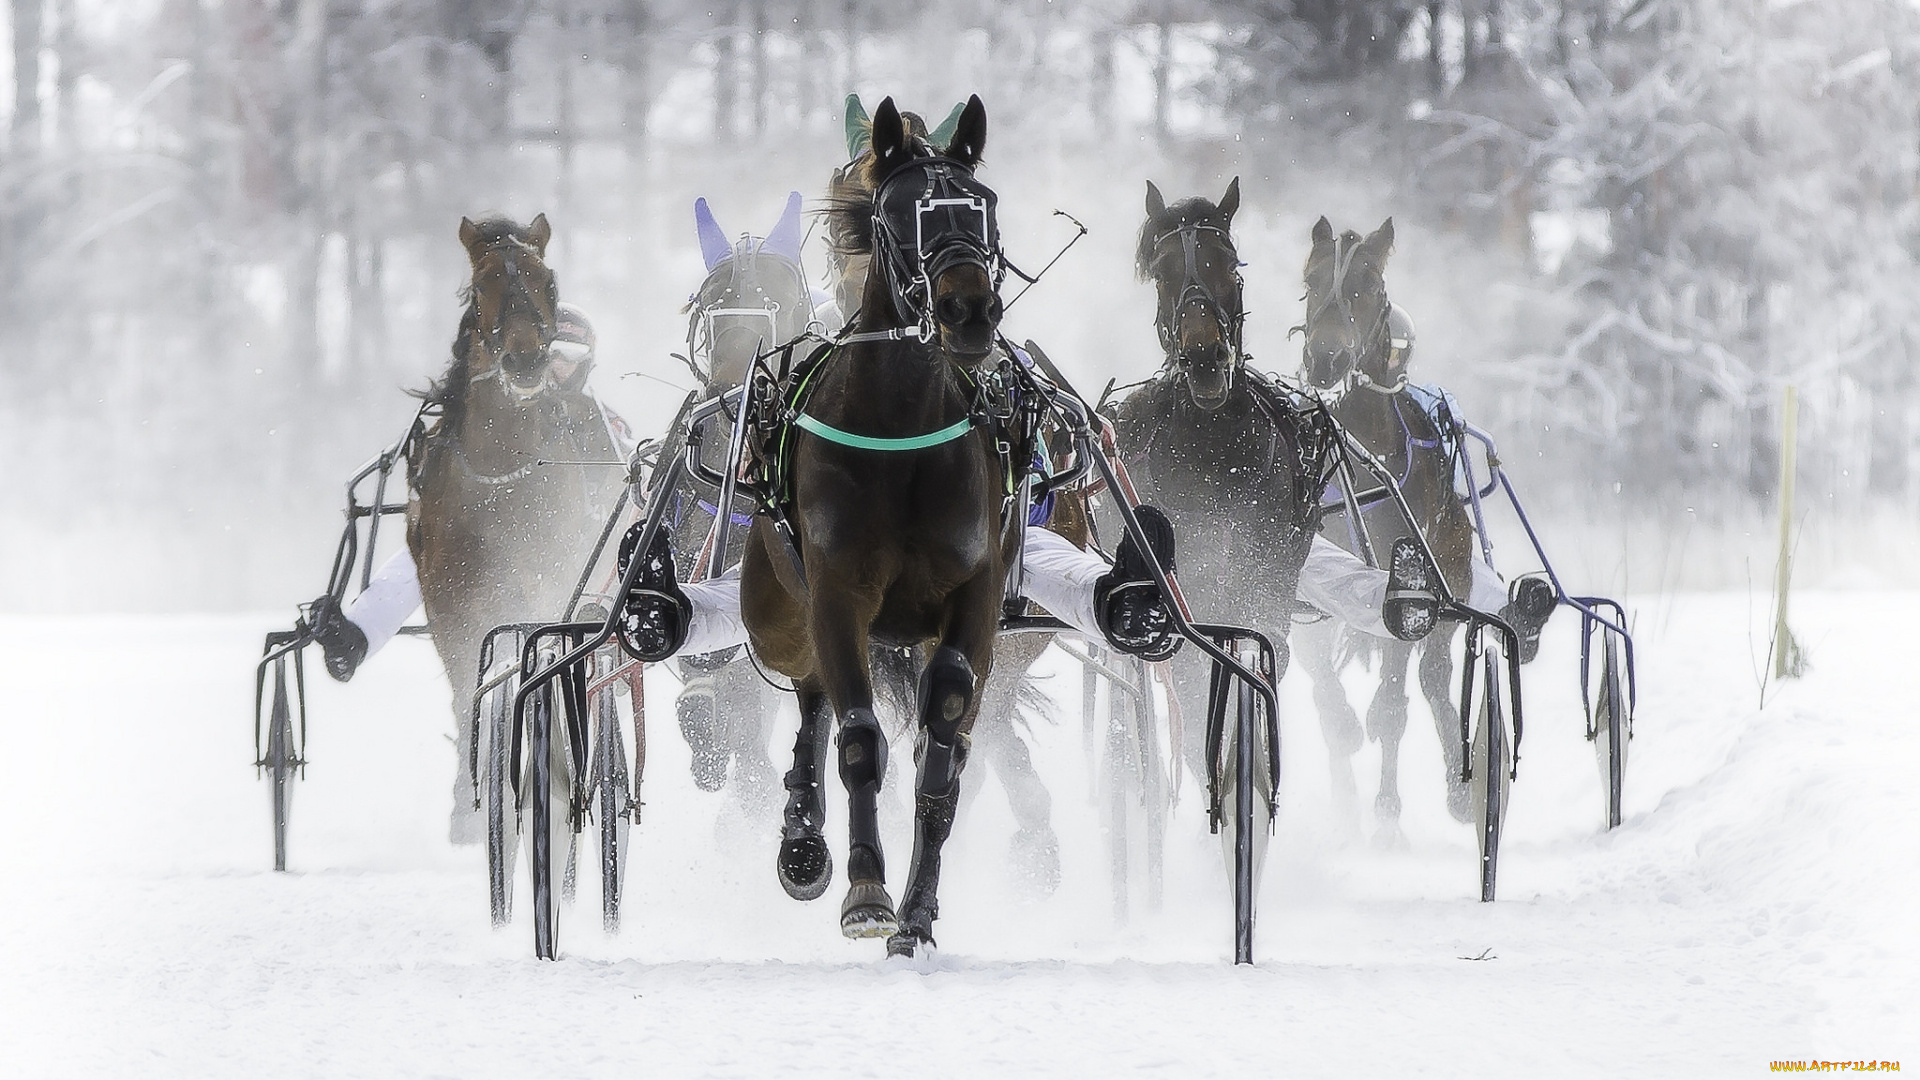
<point x="503" y="820"/>
<point x="1246" y="780"/>
<point x="546" y="797"/>
<point x="1492" y="762"/>
<point x="612" y="798"/>
<point x="281" y="761"/>
<point x="1611" y="728"/>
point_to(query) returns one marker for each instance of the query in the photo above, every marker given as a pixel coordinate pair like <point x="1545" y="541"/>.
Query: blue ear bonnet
<point x="782" y="240"/>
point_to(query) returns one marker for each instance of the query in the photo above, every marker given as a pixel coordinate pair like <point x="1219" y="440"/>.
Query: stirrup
<point x="1412" y="605"/>
<point x="653" y="620"/>
<point x="1531" y="600"/>
<point x="343" y="645"/>
<point x="1127" y="601"/>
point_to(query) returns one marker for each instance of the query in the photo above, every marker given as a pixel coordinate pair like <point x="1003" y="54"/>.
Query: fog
<point x="228" y="237"/>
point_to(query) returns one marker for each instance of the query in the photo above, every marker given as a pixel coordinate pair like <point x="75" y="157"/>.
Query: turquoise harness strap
<point x="867" y="442"/>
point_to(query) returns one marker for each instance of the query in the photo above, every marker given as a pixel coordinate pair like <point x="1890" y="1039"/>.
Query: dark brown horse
<point x="900" y="546"/>
<point x="1349" y="354"/>
<point x="1216" y="444"/>
<point x="498" y="537"/>
<point x="997" y="740"/>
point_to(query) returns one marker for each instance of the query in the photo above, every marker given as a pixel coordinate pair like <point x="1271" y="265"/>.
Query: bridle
<point x="705" y="324"/>
<point x="954" y="224"/>
<point x="1194" y="289"/>
<point x="490" y="337"/>
<point x="1363" y="345"/>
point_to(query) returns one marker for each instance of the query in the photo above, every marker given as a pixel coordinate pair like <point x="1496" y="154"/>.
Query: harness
<point x="954" y="224"/>
<point x="704" y="324"/>
<point x="509" y="251"/>
<point x="1194" y="289"/>
<point x="1364" y="345"/>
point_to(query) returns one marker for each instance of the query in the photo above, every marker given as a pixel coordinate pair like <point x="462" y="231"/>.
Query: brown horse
<point x="497" y="536"/>
<point x="901" y="546"/>
<point x="1348" y="353"/>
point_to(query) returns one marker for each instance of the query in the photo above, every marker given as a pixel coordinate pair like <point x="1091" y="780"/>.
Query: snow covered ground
<point x="1757" y="904"/>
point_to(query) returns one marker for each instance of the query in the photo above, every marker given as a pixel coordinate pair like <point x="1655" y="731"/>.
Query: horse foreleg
<point x="805" y="865"/>
<point x="1036" y="850"/>
<point x="949" y="704"/>
<point x="839" y="619"/>
<point x="1339" y="725"/>
<point x="1387" y="725"/>
<point x="1436" y="685"/>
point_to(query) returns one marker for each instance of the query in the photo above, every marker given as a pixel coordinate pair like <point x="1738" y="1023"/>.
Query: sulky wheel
<point x="612" y="796"/>
<point x="1611" y="729"/>
<point x="545" y="799"/>
<point x="281" y="761"/>
<point x="1492" y="762"/>
<point x="1246" y="780"/>
<point x="503" y="818"/>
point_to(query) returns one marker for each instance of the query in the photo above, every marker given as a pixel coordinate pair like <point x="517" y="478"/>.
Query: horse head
<point x="935" y="234"/>
<point x="755" y="295"/>
<point x="1347" y="306"/>
<point x="1187" y="251"/>
<point x="513" y="302"/>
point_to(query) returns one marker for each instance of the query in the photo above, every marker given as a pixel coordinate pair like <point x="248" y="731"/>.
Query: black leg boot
<point x="805" y="866"/>
<point x="868" y="909"/>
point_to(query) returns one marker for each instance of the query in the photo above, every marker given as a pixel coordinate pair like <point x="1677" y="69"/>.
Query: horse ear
<point x="889" y="134"/>
<point x="859" y="127"/>
<point x="1156" y="203"/>
<point x="1322" y="232"/>
<point x="469" y="234"/>
<point x="970" y="134"/>
<point x="1381" y="242"/>
<point x="1230" y="202"/>
<point x="714" y="247"/>
<point x="540" y="232"/>
<point x="942" y="136"/>
<point x="784" y="238"/>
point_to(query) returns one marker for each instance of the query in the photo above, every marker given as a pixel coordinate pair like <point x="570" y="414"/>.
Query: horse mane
<point x="849" y="203"/>
<point x="1195" y="211"/>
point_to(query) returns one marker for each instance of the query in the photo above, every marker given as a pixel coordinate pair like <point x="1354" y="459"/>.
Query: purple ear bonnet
<point x="713" y="243"/>
<point x="784" y="239"/>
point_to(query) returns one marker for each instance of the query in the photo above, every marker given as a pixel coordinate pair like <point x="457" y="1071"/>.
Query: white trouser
<point x="1059" y="577"/>
<point x="1338" y="583"/>
<point x="390" y="598"/>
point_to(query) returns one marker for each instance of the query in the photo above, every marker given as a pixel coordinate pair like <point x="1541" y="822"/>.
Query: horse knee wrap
<point x="946" y="692"/>
<point x="863" y="751"/>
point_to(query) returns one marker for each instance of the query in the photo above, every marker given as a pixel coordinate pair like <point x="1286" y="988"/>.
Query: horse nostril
<point x="952" y="310"/>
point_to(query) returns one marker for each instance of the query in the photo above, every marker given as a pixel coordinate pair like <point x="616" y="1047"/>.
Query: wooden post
<point x="1786" y="660"/>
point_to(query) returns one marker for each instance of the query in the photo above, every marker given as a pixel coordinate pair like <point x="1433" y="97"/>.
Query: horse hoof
<point x="1036" y="861"/>
<point x="805" y="865"/>
<point x="1390" y="838"/>
<point x="908" y="941"/>
<point x="1459" y="800"/>
<point x="868" y="912"/>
